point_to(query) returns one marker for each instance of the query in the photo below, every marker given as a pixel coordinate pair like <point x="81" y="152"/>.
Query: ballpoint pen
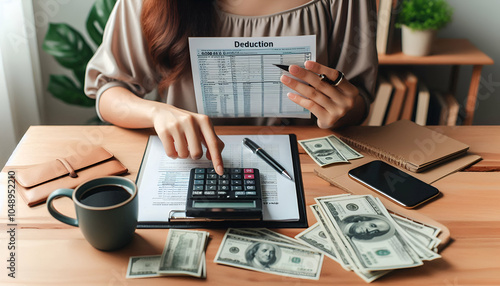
<point x="323" y="77"/>
<point x="266" y="157"/>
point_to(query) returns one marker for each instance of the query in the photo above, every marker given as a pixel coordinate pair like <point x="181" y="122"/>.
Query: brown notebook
<point x="405" y="144"/>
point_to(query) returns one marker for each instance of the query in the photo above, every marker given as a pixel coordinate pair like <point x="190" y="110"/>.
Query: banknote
<point x="315" y="237"/>
<point x="269" y="256"/>
<point x="322" y="151"/>
<point x="343" y="254"/>
<point x="372" y="237"/>
<point x="344" y="149"/>
<point x="143" y="266"/>
<point x="184" y="253"/>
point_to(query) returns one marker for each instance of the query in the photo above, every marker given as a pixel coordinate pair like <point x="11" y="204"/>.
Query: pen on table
<point x="266" y="157"/>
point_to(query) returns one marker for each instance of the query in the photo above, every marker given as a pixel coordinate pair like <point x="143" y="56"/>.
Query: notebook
<point x="405" y="144"/>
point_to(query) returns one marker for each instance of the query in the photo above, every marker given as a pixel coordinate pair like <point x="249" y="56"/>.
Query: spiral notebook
<point x="405" y="144"/>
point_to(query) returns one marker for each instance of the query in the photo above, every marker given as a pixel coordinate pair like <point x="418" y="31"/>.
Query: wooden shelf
<point x="453" y="52"/>
<point x="445" y="52"/>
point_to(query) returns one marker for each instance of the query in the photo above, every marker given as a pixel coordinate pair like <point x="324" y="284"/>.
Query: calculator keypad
<point x="236" y="183"/>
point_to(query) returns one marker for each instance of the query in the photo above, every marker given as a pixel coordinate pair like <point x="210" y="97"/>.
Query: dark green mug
<point x="106" y="210"/>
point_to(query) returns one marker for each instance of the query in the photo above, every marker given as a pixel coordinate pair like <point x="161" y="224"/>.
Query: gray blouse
<point x="345" y="35"/>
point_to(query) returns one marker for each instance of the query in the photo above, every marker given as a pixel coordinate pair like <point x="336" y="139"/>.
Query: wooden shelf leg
<point x="470" y="106"/>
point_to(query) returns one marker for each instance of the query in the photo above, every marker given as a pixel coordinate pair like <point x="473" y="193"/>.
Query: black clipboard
<point x="299" y="189"/>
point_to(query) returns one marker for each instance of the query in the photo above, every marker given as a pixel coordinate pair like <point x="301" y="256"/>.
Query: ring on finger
<point x="335" y="82"/>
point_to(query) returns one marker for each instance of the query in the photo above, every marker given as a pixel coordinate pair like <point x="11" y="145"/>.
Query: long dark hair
<point x="167" y="24"/>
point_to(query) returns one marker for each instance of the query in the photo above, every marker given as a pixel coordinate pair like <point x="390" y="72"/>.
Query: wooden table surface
<point x="52" y="253"/>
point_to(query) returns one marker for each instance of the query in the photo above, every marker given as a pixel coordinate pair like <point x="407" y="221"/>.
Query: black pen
<point x="266" y="157"/>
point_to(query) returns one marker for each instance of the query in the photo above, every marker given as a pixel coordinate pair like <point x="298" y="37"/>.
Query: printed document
<point x="237" y="77"/>
<point x="163" y="182"/>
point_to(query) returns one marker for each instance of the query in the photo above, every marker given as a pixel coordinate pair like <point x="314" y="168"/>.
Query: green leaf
<point x="67" y="46"/>
<point x="424" y="14"/>
<point x="97" y="19"/>
<point x="63" y="88"/>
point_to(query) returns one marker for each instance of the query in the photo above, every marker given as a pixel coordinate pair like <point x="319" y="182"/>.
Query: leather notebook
<point x="36" y="182"/>
<point x="405" y="144"/>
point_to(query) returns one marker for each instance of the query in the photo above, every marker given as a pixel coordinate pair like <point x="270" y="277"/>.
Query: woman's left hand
<point x="327" y="102"/>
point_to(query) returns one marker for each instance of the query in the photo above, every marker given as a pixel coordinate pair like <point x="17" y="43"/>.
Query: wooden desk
<point x="453" y="52"/>
<point x="52" y="253"/>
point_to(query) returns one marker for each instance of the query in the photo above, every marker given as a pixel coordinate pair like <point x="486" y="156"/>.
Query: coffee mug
<point x="106" y="210"/>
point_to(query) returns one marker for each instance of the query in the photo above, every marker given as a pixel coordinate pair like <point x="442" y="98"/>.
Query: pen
<point x="266" y="157"/>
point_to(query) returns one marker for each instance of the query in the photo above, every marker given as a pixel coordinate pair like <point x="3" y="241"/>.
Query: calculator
<point x="235" y="195"/>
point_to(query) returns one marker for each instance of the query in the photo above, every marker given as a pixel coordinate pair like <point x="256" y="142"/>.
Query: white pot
<point x="417" y="42"/>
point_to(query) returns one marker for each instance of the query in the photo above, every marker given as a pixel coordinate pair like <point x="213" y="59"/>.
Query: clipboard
<point x="180" y="221"/>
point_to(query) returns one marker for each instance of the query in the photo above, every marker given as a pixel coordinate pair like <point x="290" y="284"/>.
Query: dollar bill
<point x="346" y="150"/>
<point x="343" y="254"/>
<point x="315" y="237"/>
<point x="269" y="256"/>
<point x="372" y="237"/>
<point x="143" y="266"/>
<point x="184" y="253"/>
<point x="322" y="151"/>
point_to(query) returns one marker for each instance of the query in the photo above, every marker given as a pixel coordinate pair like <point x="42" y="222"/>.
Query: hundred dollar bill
<point x="342" y="253"/>
<point x="183" y="253"/>
<point x="315" y="237"/>
<point x="425" y="234"/>
<point x="344" y="149"/>
<point x="143" y="266"/>
<point x="269" y="257"/>
<point x="373" y="238"/>
<point x="322" y="151"/>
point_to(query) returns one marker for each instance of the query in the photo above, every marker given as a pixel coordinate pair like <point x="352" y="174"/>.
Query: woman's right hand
<point x="182" y="133"/>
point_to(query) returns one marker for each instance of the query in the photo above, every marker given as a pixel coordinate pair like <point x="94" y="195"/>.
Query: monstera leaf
<point x="71" y="51"/>
<point x="97" y="19"/>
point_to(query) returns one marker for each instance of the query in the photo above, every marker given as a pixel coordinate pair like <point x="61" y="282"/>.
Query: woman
<point x="145" y="46"/>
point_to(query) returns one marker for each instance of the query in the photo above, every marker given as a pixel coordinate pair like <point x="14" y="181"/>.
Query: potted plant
<point x="419" y="21"/>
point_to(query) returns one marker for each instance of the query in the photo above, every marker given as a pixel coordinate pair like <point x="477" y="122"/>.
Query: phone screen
<point x="394" y="183"/>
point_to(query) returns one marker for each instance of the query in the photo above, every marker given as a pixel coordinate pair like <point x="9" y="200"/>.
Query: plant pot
<point x="417" y="42"/>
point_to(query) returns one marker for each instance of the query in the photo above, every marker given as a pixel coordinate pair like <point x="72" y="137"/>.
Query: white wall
<point x="479" y="21"/>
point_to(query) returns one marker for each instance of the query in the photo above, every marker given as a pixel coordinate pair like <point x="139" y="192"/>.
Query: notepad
<point x="163" y="184"/>
<point x="405" y="144"/>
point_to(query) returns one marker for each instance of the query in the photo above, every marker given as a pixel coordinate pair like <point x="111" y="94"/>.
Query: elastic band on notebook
<point x="68" y="167"/>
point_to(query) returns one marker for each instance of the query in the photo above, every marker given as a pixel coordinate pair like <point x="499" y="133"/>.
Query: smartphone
<point x="394" y="184"/>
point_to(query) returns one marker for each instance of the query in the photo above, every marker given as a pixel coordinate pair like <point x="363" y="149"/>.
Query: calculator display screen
<point x="235" y="205"/>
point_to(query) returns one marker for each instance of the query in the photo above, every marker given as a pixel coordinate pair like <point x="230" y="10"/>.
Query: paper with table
<point x="163" y="182"/>
<point x="236" y="76"/>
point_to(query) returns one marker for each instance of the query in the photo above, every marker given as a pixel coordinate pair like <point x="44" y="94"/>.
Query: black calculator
<point x="235" y="195"/>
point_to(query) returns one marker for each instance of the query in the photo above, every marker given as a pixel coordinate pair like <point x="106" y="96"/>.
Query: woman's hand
<point x="327" y="102"/>
<point x="182" y="133"/>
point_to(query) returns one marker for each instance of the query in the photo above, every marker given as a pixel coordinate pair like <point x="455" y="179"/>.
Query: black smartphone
<point x="393" y="183"/>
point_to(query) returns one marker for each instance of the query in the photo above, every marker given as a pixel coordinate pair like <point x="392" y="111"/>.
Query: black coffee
<point x="104" y="196"/>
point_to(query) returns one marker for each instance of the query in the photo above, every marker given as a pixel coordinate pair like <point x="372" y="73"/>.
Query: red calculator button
<point x="249" y="176"/>
<point x="246" y="171"/>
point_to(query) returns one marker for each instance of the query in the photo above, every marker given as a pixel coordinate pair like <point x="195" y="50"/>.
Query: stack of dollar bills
<point x="329" y="150"/>
<point x="183" y="255"/>
<point x="360" y="234"/>
<point x="270" y="252"/>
